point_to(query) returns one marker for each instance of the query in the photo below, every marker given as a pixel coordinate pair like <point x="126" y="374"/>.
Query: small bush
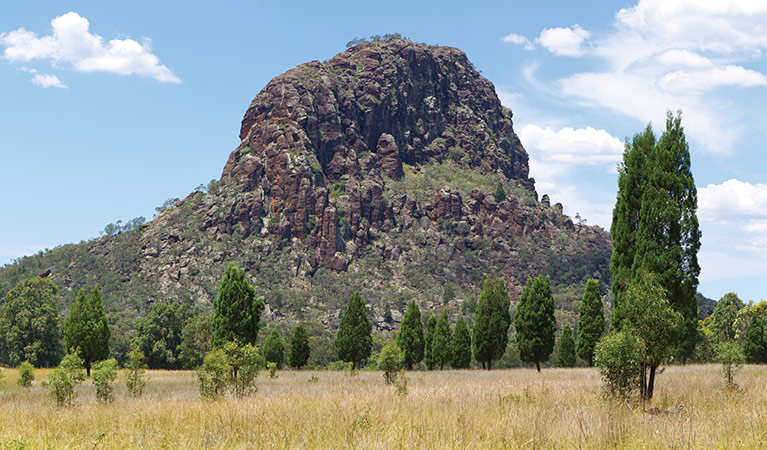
<point x="400" y="386"/>
<point x="62" y="381"/>
<point x="233" y="366"/>
<point x="104" y="374"/>
<point x="390" y="360"/>
<point x="730" y="355"/>
<point x="619" y="358"/>
<point x="26" y="374"/>
<point x="272" y="367"/>
<point x="135" y="379"/>
<point x="212" y="374"/>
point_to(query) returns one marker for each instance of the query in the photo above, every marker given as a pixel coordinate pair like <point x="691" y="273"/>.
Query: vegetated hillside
<point x="379" y="171"/>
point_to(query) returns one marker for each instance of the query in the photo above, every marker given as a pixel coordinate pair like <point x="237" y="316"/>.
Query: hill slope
<point x="374" y="171"/>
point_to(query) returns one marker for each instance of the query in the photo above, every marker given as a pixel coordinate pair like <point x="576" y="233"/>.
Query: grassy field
<point x="558" y="408"/>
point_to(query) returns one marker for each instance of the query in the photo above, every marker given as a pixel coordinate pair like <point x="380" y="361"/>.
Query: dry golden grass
<point x="558" y="408"/>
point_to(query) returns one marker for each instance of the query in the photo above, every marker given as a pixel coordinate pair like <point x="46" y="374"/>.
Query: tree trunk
<point x="88" y="371"/>
<point x="651" y="381"/>
<point x="489" y="363"/>
<point x="643" y="382"/>
<point x="538" y="365"/>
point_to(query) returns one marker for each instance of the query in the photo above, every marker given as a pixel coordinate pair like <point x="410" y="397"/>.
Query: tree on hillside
<point x="159" y="334"/>
<point x="566" y="353"/>
<point x="534" y="321"/>
<point x="428" y="338"/>
<point x="410" y="336"/>
<point x="274" y="349"/>
<point x="29" y="325"/>
<point x="354" y="340"/>
<point x="655" y="229"/>
<point x="236" y="310"/>
<point x="86" y="330"/>
<point x="460" y="346"/>
<point x="299" y="347"/>
<point x="441" y="343"/>
<point x="591" y="322"/>
<point x="491" y="323"/>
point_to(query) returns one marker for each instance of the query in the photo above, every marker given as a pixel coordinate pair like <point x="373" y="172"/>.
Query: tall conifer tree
<point x="410" y="336"/>
<point x="534" y="321"/>
<point x="566" y="353"/>
<point x="236" y="310"/>
<point x="441" y="343"/>
<point x="274" y="349"/>
<point x="428" y="337"/>
<point x="591" y="322"/>
<point x="299" y="347"/>
<point x="491" y="323"/>
<point x="460" y="345"/>
<point x="354" y="340"/>
<point x="86" y="330"/>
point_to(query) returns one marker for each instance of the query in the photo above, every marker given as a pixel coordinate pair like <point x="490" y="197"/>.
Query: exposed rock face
<point x="377" y="168"/>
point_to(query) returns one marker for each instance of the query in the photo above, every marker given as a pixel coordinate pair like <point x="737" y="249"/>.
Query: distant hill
<point x="705" y="306"/>
<point x="392" y="169"/>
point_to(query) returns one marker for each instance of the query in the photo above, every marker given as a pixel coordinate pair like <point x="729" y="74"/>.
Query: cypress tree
<point x="236" y="310"/>
<point x="86" y="330"/>
<point x="354" y="340"/>
<point x="460" y="345"/>
<point x="410" y="336"/>
<point x="428" y="338"/>
<point x="491" y="323"/>
<point x="625" y="223"/>
<point x="440" y="349"/>
<point x="299" y="347"/>
<point x="274" y="349"/>
<point x="566" y="353"/>
<point x="534" y="321"/>
<point x="591" y="322"/>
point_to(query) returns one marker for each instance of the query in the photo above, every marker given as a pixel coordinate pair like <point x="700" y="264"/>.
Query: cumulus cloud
<point x="44" y="79"/>
<point x="72" y="44"/>
<point x="733" y="200"/>
<point x="587" y="146"/>
<point x="564" y="41"/>
<point x="518" y="40"/>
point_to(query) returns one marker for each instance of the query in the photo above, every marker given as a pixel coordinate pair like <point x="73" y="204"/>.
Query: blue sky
<point x="107" y="109"/>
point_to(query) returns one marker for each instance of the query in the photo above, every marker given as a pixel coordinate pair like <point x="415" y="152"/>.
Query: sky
<point x="107" y="109"/>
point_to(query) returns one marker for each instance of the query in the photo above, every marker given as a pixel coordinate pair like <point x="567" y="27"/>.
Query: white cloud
<point x="564" y="41"/>
<point x="72" y="44"/>
<point x="518" y="40"/>
<point x="43" y="79"/>
<point x="683" y="58"/>
<point x="586" y="146"/>
<point x="680" y="81"/>
<point x="732" y="201"/>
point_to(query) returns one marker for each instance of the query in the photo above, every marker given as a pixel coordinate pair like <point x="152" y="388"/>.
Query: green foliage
<point x="534" y="321"/>
<point x="354" y="340"/>
<point x="500" y="194"/>
<point x="234" y="366"/>
<point x="566" y="353"/>
<point x="591" y="322"/>
<point x="86" y="330"/>
<point x="391" y="360"/>
<point x="618" y="356"/>
<point x="755" y="344"/>
<point x="62" y="381"/>
<point x="448" y="293"/>
<point x="428" y="338"/>
<point x="337" y="189"/>
<point x="387" y="313"/>
<point x="167" y="204"/>
<point x="135" y="376"/>
<point x="492" y="322"/>
<point x="460" y="345"/>
<point x="299" y="347"/>
<point x="272" y="368"/>
<point x="274" y="349"/>
<point x="724" y="317"/>
<point x="195" y="341"/>
<point x="236" y="310"/>
<point x="410" y="336"/>
<point x="422" y="183"/>
<point x="159" y="334"/>
<point x="440" y="349"/>
<point x="731" y="358"/>
<point x="104" y="374"/>
<point x="26" y="374"/>
<point x="29" y="327"/>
